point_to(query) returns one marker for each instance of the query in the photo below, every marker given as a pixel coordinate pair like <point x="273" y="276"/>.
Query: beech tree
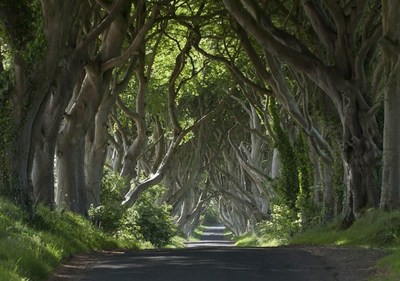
<point x="390" y="198"/>
<point x="349" y="35"/>
<point x="208" y="99"/>
<point x="46" y="54"/>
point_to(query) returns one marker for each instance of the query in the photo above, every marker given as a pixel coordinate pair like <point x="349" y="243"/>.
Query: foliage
<point x="142" y="223"/>
<point x="6" y="121"/>
<point x="375" y="229"/>
<point x="107" y="216"/>
<point x="211" y="216"/>
<point x="6" y="138"/>
<point x="246" y="240"/>
<point x="129" y="229"/>
<point x="155" y="222"/>
<point x="309" y="212"/>
<point x="338" y="184"/>
<point x="31" y="248"/>
<point x="288" y="183"/>
<point x="149" y="221"/>
<point x="37" y="46"/>
<point x="283" y="224"/>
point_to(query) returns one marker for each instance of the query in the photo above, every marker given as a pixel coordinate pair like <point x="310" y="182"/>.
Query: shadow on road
<point x="212" y="264"/>
<point x="214" y="258"/>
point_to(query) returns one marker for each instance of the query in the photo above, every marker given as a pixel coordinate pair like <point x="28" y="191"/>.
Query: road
<point x="212" y="264"/>
<point x="214" y="259"/>
<point x="212" y="236"/>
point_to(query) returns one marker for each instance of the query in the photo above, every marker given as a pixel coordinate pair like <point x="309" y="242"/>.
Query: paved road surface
<point x="213" y="236"/>
<point x="215" y="259"/>
<point x="213" y="264"/>
<point x="212" y="259"/>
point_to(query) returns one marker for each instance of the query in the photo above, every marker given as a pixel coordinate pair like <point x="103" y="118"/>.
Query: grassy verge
<point x="197" y="233"/>
<point x="31" y="248"/>
<point x="252" y="240"/>
<point x="375" y="229"/>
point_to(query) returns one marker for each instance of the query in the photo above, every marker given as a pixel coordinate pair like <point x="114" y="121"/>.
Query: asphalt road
<point x="213" y="260"/>
<point x="213" y="236"/>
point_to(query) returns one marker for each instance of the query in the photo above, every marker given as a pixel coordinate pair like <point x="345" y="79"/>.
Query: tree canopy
<point x="239" y="106"/>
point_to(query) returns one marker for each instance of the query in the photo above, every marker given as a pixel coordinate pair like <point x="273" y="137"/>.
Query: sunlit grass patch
<point x="247" y="240"/>
<point x="176" y="242"/>
<point x="251" y="239"/>
<point x="31" y="247"/>
<point x="376" y="229"/>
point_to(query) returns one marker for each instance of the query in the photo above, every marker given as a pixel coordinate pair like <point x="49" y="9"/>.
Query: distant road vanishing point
<point x="213" y="236"/>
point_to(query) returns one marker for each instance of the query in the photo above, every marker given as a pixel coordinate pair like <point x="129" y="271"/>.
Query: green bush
<point x="108" y="215"/>
<point x="155" y="222"/>
<point x="146" y="221"/>
<point x="142" y="222"/>
<point x="129" y="226"/>
<point x="283" y="224"/>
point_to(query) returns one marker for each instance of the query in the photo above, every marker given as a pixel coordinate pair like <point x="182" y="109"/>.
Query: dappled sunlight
<point x="212" y="236"/>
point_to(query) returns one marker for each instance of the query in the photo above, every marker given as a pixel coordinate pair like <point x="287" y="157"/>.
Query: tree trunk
<point x="70" y="170"/>
<point x="275" y="170"/>
<point x="390" y="197"/>
<point x="329" y="204"/>
<point x="361" y="137"/>
<point x="69" y="174"/>
<point x="361" y="152"/>
<point x="96" y="143"/>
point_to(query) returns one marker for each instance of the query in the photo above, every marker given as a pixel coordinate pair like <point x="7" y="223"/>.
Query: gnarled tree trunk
<point x="390" y="198"/>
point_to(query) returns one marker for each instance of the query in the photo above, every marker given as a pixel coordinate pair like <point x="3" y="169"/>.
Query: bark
<point x="97" y="138"/>
<point x="329" y="203"/>
<point x="132" y="154"/>
<point x="133" y="195"/>
<point x="275" y="170"/>
<point x="34" y="84"/>
<point x="138" y="146"/>
<point x="96" y="143"/>
<point x="95" y="86"/>
<point x="70" y="164"/>
<point x="390" y="196"/>
<point x="361" y="138"/>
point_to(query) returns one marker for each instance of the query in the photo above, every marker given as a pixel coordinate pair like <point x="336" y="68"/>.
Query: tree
<point x="80" y="116"/>
<point x="390" y="198"/>
<point x="40" y="36"/>
<point x="345" y="81"/>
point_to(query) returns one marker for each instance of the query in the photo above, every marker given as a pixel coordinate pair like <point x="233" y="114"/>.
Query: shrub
<point x="155" y="222"/>
<point x="282" y="225"/>
<point x="108" y="215"/>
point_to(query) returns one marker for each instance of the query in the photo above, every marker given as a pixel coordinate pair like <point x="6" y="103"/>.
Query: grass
<point x="176" y="242"/>
<point x="376" y="229"/>
<point x="31" y="248"/>
<point x="197" y="233"/>
<point x="252" y="240"/>
<point x="247" y="240"/>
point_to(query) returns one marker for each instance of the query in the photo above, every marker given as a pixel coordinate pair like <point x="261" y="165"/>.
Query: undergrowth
<point x="375" y="229"/>
<point x="32" y="247"/>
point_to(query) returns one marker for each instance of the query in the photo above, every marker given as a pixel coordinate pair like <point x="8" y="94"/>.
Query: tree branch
<point x="135" y="45"/>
